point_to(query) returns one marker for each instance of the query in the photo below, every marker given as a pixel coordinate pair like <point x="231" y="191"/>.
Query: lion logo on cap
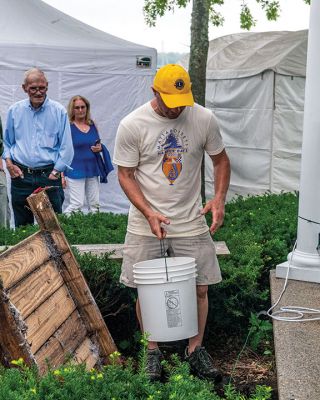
<point x="179" y="84"/>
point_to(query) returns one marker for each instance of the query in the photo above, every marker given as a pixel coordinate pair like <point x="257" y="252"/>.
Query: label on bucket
<point x="172" y="299"/>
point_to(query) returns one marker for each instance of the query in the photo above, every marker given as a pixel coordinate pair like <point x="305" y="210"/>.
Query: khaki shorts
<point x="141" y="248"/>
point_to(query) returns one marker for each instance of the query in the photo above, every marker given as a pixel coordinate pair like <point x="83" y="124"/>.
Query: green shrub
<point x="260" y="334"/>
<point x="79" y="228"/>
<point x="94" y="228"/>
<point x="112" y="382"/>
<point x="115" y="301"/>
<point x="259" y="232"/>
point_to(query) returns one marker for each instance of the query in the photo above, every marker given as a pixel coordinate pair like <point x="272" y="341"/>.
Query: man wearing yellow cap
<point x="159" y="150"/>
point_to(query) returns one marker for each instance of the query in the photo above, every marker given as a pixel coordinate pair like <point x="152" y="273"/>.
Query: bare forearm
<point x="221" y="178"/>
<point x="134" y="193"/>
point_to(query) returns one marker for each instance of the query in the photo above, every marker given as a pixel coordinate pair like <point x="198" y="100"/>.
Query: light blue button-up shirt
<point x="38" y="137"/>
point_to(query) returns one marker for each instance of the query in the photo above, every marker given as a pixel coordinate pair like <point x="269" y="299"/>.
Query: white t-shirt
<point x="167" y="154"/>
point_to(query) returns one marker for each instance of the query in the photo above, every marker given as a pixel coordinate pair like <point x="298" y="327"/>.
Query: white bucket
<point x="168" y="299"/>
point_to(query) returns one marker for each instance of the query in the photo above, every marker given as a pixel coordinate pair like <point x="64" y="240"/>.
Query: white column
<point x="305" y="259"/>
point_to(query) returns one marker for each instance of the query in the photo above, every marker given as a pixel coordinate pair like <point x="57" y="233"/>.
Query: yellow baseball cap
<point x="172" y="81"/>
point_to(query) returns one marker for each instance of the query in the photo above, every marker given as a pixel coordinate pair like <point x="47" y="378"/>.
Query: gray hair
<point x="32" y="71"/>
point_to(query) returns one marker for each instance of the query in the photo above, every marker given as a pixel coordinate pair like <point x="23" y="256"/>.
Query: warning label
<point x="173" y="309"/>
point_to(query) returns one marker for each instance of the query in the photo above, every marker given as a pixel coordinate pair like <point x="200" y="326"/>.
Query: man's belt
<point x="36" y="170"/>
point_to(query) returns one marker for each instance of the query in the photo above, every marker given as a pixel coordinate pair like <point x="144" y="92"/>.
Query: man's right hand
<point x="156" y="222"/>
<point x="14" y="170"/>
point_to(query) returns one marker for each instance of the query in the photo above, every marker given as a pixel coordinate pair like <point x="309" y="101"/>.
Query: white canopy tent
<point x="255" y="86"/>
<point x="114" y="74"/>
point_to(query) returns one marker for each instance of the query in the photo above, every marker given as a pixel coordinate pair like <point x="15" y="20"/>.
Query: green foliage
<point x="216" y="18"/>
<point x="94" y="228"/>
<point x="157" y="8"/>
<point x="246" y="19"/>
<point x="272" y="9"/>
<point x="79" y="228"/>
<point x="261" y="393"/>
<point x="259" y="232"/>
<point x="260" y="333"/>
<point x="10" y="237"/>
<point x="114" y="381"/>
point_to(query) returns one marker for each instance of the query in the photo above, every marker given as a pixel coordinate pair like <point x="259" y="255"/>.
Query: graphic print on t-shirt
<point x="171" y="146"/>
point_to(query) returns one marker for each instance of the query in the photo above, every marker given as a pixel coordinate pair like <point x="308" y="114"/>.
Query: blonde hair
<point x="70" y="109"/>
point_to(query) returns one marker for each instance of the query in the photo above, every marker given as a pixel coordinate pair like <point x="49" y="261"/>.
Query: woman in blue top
<point x="83" y="179"/>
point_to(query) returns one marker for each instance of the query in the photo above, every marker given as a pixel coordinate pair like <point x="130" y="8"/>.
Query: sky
<point x="124" y="18"/>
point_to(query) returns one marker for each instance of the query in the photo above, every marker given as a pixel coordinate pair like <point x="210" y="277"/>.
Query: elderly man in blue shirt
<point x="37" y="146"/>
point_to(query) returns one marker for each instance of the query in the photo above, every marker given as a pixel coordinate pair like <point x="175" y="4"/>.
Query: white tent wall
<point x="257" y="95"/>
<point x="287" y="133"/>
<point x="239" y="116"/>
<point x="77" y="59"/>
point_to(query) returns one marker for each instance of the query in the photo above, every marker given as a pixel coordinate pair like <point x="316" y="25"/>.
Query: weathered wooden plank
<point x="13" y="344"/>
<point x="71" y="274"/>
<point x="20" y="260"/>
<point x="46" y="319"/>
<point x="60" y="241"/>
<point x="36" y="288"/>
<point x="62" y="343"/>
<point x="42" y="210"/>
<point x="91" y="361"/>
<point x="117" y="249"/>
<point x="86" y="304"/>
<point x="87" y="352"/>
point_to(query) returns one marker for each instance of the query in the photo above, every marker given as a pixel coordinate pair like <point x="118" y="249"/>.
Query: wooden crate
<point x="47" y="312"/>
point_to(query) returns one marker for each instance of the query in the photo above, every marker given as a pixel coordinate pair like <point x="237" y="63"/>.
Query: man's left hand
<point x="216" y="207"/>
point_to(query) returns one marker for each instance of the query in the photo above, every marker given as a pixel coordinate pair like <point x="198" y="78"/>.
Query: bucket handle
<point x="163" y="254"/>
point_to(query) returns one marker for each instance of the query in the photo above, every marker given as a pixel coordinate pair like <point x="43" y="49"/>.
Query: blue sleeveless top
<point x="84" y="162"/>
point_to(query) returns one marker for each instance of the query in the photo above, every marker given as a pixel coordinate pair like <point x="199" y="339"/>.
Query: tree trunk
<point x="198" y="60"/>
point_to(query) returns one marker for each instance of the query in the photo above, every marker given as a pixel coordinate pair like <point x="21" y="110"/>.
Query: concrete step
<point x="297" y="344"/>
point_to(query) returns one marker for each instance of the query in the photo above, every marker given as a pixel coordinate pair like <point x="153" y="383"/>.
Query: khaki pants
<point x="141" y="248"/>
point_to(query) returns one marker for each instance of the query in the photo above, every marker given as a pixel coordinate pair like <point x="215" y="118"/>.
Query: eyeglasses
<point x="79" y="107"/>
<point x="35" y="89"/>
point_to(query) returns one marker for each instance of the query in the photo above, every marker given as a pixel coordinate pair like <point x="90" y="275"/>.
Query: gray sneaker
<point x="153" y="366"/>
<point x="201" y="364"/>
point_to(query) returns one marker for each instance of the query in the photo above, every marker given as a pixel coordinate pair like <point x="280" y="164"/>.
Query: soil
<point x="245" y="369"/>
<point x="245" y="373"/>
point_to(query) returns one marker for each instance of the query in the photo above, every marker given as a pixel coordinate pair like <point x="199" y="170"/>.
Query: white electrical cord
<point x="299" y="312"/>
